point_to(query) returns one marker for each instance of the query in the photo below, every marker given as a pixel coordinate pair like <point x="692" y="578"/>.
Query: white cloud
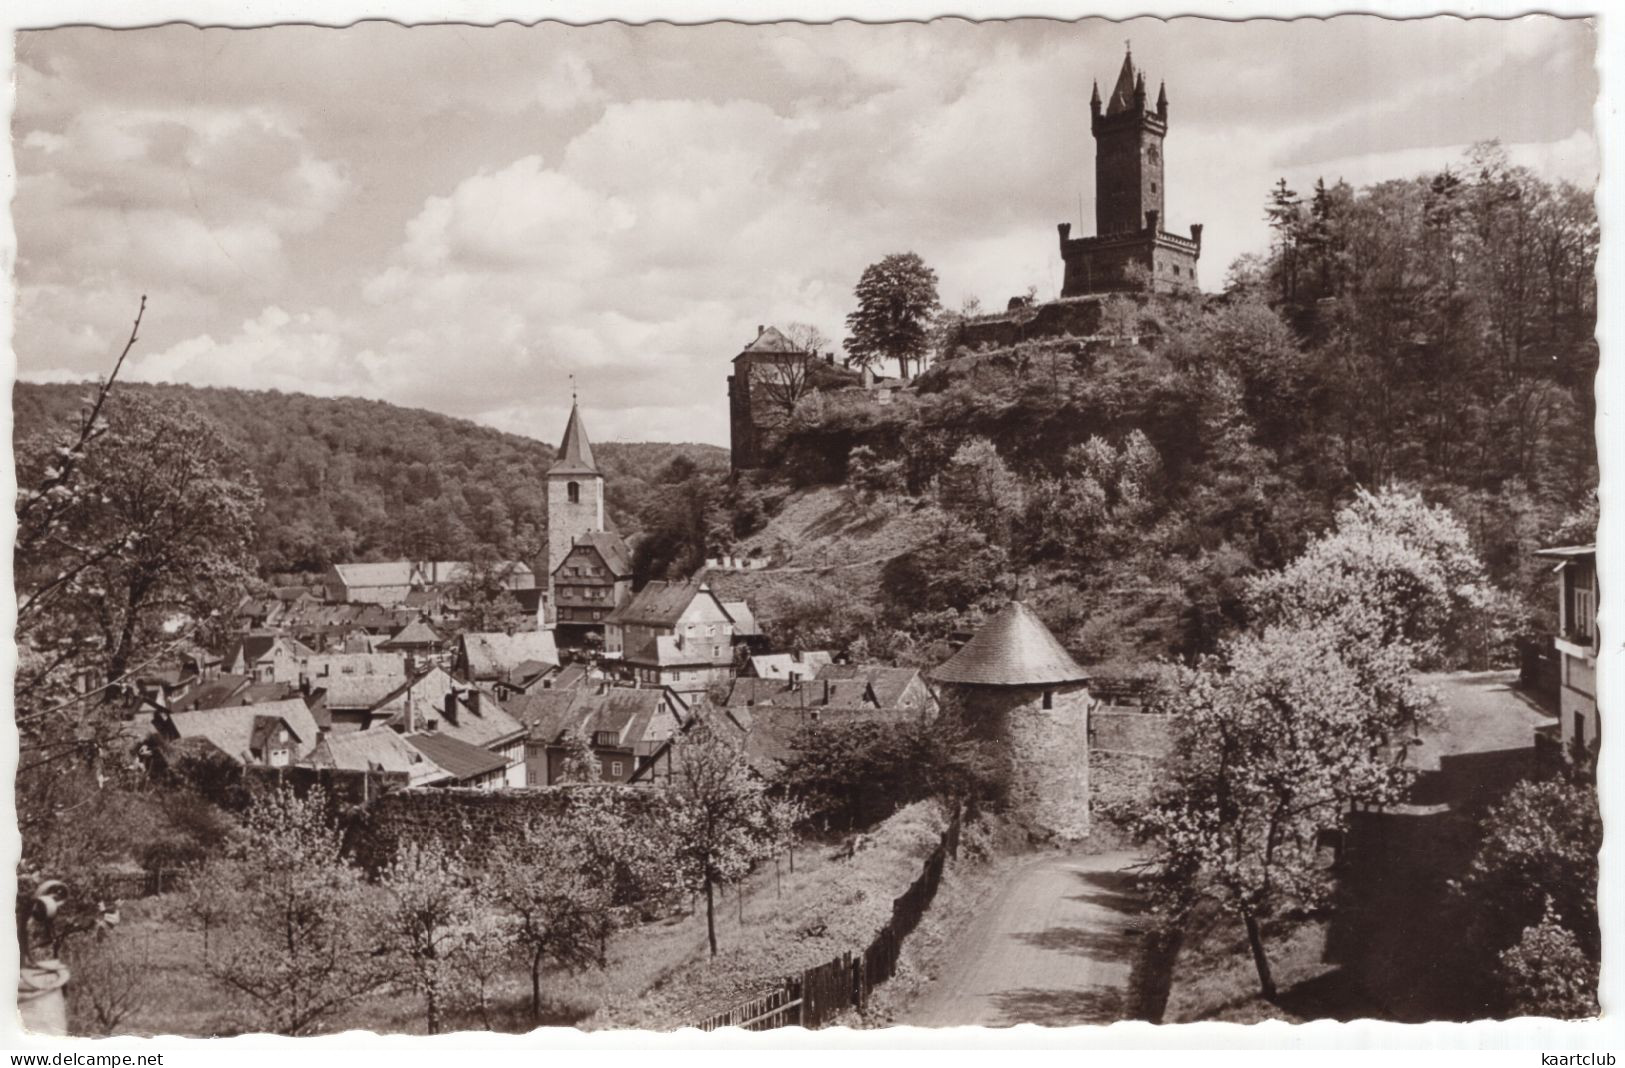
<point x="625" y="204"/>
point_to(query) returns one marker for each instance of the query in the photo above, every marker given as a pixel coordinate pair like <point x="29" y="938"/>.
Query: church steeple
<point x="575" y="451"/>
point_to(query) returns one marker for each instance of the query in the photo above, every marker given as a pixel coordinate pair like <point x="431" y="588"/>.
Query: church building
<point x="1129" y="187"/>
<point x="589" y="569"/>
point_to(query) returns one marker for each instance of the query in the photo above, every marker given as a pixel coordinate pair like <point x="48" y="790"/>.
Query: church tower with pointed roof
<point x="1129" y="190"/>
<point x="575" y="496"/>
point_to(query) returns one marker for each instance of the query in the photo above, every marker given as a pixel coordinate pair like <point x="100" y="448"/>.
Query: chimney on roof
<point x="826" y="691"/>
<point x="474" y="696"/>
<point x="760" y="329"/>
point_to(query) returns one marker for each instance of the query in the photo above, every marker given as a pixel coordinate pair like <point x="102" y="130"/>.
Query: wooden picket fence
<point x="821" y="993"/>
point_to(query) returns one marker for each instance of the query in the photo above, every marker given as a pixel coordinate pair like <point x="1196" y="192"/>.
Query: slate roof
<point x="769" y="339"/>
<point x="659" y="604"/>
<point x="611" y="549"/>
<point x="494" y="655"/>
<point x="569" y="677"/>
<point x="212" y="694"/>
<point x="575" y="451"/>
<point x="333" y="665"/>
<point x="887" y="685"/>
<point x="545" y="713"/>
<point x="384" y="573"/>
<point x="377" y="750"/>
<point x="490" y="725"/>
<point x="232" y="727"/>
<point x="461" y="760"/>
<point x="789" y="665"/>
<point x="1013" y="648"/>
<point x="257" y="645"/>
<point x="800" y="693"/>
<point x="640" y="718"/>
<point x="745" y="625"/>
<point x="357" y="691"/>
<point x="415" y="633"/>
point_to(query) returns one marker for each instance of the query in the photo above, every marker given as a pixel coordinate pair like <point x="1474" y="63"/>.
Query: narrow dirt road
<point x="1054" y="948"/>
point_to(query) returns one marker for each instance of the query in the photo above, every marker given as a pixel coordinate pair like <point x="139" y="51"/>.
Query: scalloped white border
<point x="1511" y="1042"/>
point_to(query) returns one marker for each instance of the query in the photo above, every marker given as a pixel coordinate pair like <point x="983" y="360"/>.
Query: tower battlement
<point x="1130" y="248"/>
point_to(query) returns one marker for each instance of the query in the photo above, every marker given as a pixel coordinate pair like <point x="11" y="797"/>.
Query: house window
<point x="1585" y="612"/>
<point x="1049" y="699"/>
<point x="574" y="492"/>
<point x="615" y="769"/>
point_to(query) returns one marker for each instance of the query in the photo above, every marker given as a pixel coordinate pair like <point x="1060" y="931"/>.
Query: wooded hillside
<point x="349" y="479"/>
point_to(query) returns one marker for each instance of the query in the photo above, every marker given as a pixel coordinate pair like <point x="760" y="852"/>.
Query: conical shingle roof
<point x="575" y="451"/>
<point x="1014" y="648"/>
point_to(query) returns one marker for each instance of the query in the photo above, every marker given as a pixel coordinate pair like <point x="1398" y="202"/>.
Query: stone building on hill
<point x="770" y="376"/>
<point x="1129" y="189"/>
<point x="1014" y="684"/>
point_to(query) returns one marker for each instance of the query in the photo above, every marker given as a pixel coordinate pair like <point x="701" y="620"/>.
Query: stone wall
<point x="342" y="786"/>
<point x="1070" y="317"/>
<point x="475" y="820"/>
<point x="1130" y="731"/>
<point x="1126" y="754"/>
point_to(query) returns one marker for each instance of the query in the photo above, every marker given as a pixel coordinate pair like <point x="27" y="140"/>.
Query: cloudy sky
<point x="459" y="218"/>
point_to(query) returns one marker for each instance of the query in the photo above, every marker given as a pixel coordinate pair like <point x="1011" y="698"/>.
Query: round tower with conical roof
<point x="1014" y="684"/>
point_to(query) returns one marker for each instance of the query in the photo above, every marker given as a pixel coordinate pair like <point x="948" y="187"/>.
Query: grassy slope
<point x="659" y="976"/>
<point x="824" y="540"/>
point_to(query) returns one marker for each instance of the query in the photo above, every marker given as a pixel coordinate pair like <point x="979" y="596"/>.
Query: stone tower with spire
<point x="1129" y="189"/>
<point x="575" y="496"/>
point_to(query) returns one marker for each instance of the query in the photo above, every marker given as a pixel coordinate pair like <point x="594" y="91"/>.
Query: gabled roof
<point x="789" y="665"/>
<point x="545" y="713"/>
<point x="334" y="665"/>
<point x="495" y="655"/>
<point x="1013" y="648"/>
<point x="745" y="625"/>
<point x="569" y="677"/>
<point x="377" y="750"/>
<point x="575" y="451"/>
<point x="489" y="725"/>
<point x="611" y="549"/>
<point x="660" y="604"/>
<point x="357" y="692"/>
<point x="800" y="693"/>
<point x="887" y="685"/>
<point x="461" y="760"/>
<point x="414" y="633"/>
<point x="769" y="339"/>
<point x="232" y="727"/>
<point x="258" y="645"/>
<point x="212" y="694"/>
<point x="1123" y="96"/>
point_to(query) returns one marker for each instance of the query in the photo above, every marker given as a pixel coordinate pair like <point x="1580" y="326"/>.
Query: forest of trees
<point x="345" y="479"/>
<point x="1435" y="332"/>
